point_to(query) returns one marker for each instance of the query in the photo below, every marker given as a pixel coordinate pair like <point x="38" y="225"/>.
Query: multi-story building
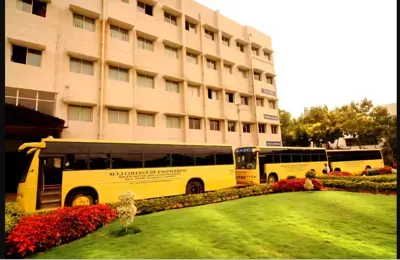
<point x="171" y="70"/>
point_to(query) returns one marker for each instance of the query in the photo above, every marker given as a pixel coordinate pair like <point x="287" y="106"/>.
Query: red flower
<point x="295" y="185"/>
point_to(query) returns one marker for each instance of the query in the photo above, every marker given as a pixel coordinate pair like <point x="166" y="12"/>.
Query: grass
<point x="288" y="225"/>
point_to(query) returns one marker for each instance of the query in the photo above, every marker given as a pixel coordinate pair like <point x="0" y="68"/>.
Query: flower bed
<point x="295" y="185"/>
<point x="344" y="174"/>
<point x="380" y="171"/>
<point x="41" y="232"/>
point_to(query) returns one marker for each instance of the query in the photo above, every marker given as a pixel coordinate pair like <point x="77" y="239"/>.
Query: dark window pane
<point x="296" y="158"/>
<point x="314" y="158"/>
<point x="286" y="158"/>
<point x="11" y="92"/>
<point x="28" y="103"/>
<point x="156" y="160"/>
<point x="27" y="93"/>
<point x="19" y="54"/>
<point x="204" y="159"/>
<point x="322" y="157"/>
<point x="180" y="160"/>
<point x="99" y="161"/>
<point x="306" y="158"/>
<point x="127" y="161"/>
<point x="39" y="8"/>
<point x="12" y="101"/>
<point x="76" y="162"/>
<point x="46" y="95"/>
<point x="46" y="107"/>
<point x="277" y="158"/>
<point x="224" y="159"/>
<point x="269" y="158"/>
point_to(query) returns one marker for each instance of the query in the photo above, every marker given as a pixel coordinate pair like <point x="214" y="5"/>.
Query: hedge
<point x="37" y="233"/>
<point x="182" y="201"/>
<point x="359" y="178"/>
<point x="295" y="185"/>
<point x="344" y="174"/>
<point x="361" y="185"/>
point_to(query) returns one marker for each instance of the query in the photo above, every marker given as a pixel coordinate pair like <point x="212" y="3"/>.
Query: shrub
<point x="360" y="178"/>
<point x="385" y="170"/>
<point x="291" y="177"/>
<point x="364" y="184"/>
<point x="343" y="174"/>
<point x="126" y="209"/>
<point x="41" y="232"/>
<point x="13" y="214"/>
<point x="295" y="185"/>
<point x="308" y="185"/>
<point x="371" y="172"/>
<point x="165" y="203"/>
<point x="310" y="174"/>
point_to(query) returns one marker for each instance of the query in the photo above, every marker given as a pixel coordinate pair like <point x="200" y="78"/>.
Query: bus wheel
<point x="272" y="178"/>
<point x="81" y="199"/>
<point x="194" y="187"/>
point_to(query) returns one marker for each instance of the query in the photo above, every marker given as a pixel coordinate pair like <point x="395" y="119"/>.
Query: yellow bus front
<point x="247" y="172"/>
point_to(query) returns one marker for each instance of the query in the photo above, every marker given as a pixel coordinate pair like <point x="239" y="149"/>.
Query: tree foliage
<point x="367" y="123"/>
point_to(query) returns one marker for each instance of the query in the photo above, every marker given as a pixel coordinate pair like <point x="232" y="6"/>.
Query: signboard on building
<point x="274" y="143"/>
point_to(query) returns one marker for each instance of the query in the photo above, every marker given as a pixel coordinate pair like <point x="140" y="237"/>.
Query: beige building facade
<point x="171" y="70"/>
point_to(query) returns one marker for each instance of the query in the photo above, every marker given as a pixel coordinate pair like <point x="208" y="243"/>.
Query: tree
<point x="293" y="133"/>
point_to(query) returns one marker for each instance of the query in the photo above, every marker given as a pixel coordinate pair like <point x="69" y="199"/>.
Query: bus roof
<point x="66" y="140"/>
<point x="358" y="150"/>
<point x="284" y="147"/>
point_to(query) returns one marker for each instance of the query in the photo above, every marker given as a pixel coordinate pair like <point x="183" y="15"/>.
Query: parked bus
<point x="355" y="161"/>
<point x="256" y="165"/>
<point x="66" y="172"/>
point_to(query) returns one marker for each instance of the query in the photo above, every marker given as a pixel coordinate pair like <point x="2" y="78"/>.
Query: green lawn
<point x="288" y="225"/>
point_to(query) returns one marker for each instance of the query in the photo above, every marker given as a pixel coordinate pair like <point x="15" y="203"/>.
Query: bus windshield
<point x="245" y="160"/>
<point x="29" y="158"/>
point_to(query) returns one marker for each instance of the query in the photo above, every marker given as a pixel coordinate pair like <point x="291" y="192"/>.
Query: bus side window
<point x="224" y="158"/>
<point x="156" y="160"/>
<point x="76" y="162"/>
<point x="180" y="160"/>
<point x="204" y="159"/>
<point x="296" y="157"/>
<point x="127" y="161"/>
<point x="314" y="158"/>
<point x="99" y="161"/>
<point x="306" y="158"/>
<point x="277" y="158"/>
<point x="286" y="158"/>
<point x="322" y="157"/>
<point x="269" y="158"/>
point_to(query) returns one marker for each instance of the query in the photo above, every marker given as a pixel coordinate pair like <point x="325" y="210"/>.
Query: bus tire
<point x="80" y="198"/>
<point x="195" y="186"/>
<point x="272" y="177"/>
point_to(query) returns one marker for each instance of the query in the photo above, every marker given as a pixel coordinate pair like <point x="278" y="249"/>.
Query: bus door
<point x="261" y="163"/>
<point x="49" y="184"/>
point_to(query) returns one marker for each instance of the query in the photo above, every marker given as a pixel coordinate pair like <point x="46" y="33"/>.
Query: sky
<point x="325" y="51"/>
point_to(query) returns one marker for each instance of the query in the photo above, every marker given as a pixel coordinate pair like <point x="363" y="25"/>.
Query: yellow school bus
<point x="355" y="161"/>
<point x="65" y="172"/>
<point x="256" y="165"/>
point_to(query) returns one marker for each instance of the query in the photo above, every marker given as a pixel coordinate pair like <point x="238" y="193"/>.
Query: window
<point x="182" y="160"/>
<point x="25" y="55"/>
<point x="127" y="160"/>
<point x="120" y="74"/>
<point x="203" y="159"/>
<point x="81" y="66"/>
<point x="244" y="73"/>
<point x="35" y="100"/>
<point x="191" y="27"/>
<point x="118" y="116"/>
<point x="254" y="51"/>
<point x="99" y="161"/>
<point x="261" y="128"/>
<point x="171" y="86"/>
<point x="246" y="128"/>
<point x="244" y="100"/>
<point x="145" y="81"/>
<point x="231" y="126"/>
<point x="193" y="91"/>
<point x="225" y="41"/>
<point x="84" y="22"/>
<point x="76" y="162"/>
<point x="169" y="18"/>
<point x="145" y="44"/>
<point x="260" y="102"/>
<point x="125" y="1"/>
<point x="171" y="52"/>
<point x="213" y="94"/>
<point x="228" y="69"/>
<point x="240" y="47"/>
<point x="209" y="34"/>
<point x="274" y="129"/>
<point x="35" y="7"/>
<point x="214" y="125"/>
<point x="173" y="122"/>
<point x="156" y="160"/>
<point x="145" y="8"/>
<point x="211" y="64"/>
<point x="257" y="76"/>
<point x="191" y="58"/>
<point x="267" y="55"/>
<point x="119" y="33"/>
<point x="223" y="158"/>
<point x="194" y="123"/>
<point x="145" y="120"/>
<point x="79" y="113"/>
<point x="270" y="79"/>
<point x="229" y="97"/>
<point x="271" y="104"/>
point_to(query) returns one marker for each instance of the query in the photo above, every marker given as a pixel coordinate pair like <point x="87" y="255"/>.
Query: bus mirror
<point x="32" y="150"/>
<point x="256" y="150"/>
<point x="39" y="145"/>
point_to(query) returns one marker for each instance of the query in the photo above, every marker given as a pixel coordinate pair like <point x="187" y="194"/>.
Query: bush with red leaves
<point x="344" y="174"/>
<point x="385" y="170"/>
<point x="380" y="171"/>
<point x="295" y="185"/>
<point x="37" y="233"/>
